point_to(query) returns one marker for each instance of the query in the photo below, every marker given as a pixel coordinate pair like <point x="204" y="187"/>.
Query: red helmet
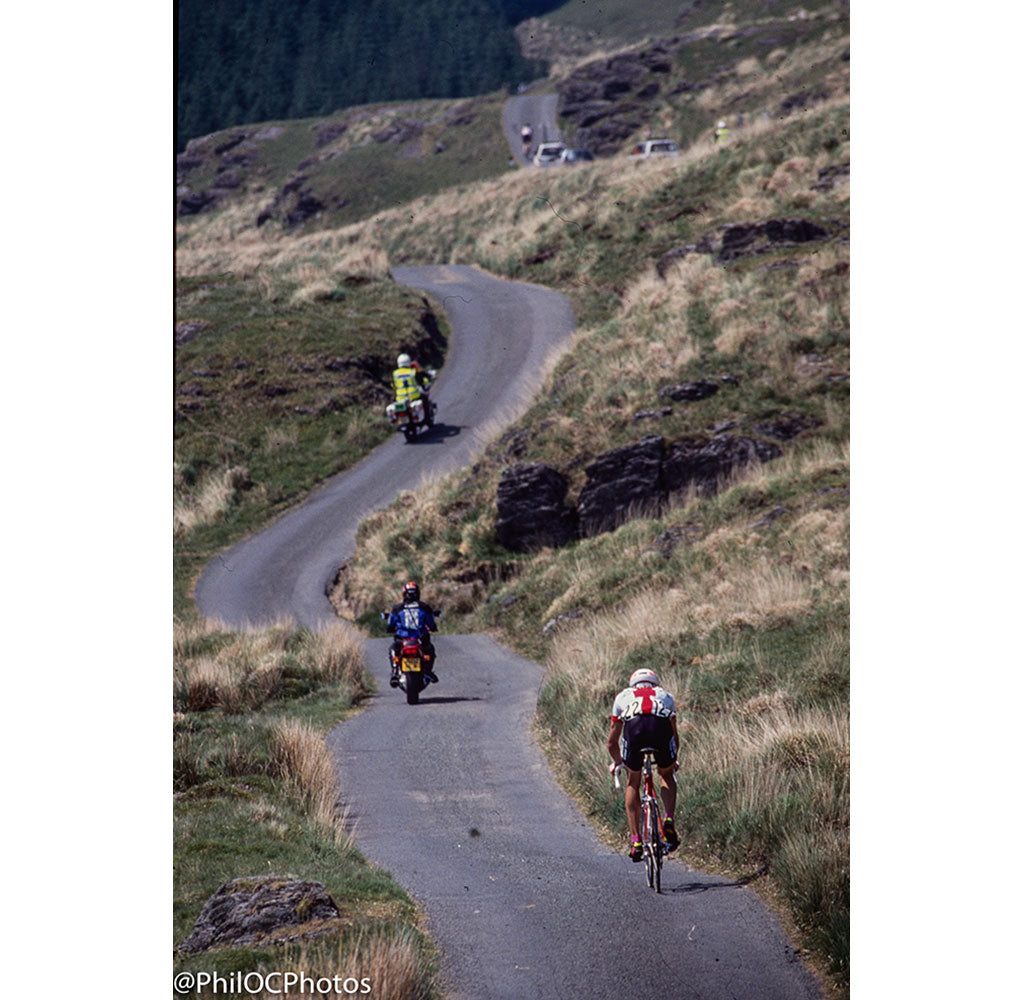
<point x="411" y="591"/>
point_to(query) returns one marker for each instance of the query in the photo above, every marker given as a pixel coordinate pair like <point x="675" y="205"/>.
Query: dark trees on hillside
<point x="242" y="61"/>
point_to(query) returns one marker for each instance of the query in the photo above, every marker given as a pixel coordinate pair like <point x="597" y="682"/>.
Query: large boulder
<point x="621" y="484"/>
<point x="262" y="910"/>
<point x="704" y="464"/>
<point x="531" y="508"/>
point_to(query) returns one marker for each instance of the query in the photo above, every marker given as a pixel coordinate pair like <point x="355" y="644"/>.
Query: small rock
<point x="689" y="391"/>
<point x="251" y="911"/>
<point x="569" y="616"/>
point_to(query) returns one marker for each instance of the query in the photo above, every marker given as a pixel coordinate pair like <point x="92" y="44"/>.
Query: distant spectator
<point x="721" y="131"/>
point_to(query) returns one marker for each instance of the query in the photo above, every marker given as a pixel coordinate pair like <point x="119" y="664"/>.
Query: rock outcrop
<point x="622" y="484"/>
<point x="637" y="480"/>
<point x="746" y="239"/>
<point x="531" y="508"/>
<point x="706" y="463"/>
<point x="688" y="392"/>
<point x="262" y="910"/>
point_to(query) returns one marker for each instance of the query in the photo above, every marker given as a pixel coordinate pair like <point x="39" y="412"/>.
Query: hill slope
<point x="727" y="270"/>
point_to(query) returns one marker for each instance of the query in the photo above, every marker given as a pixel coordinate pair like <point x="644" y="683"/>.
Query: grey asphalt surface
<point x="455" y="798"/>
<point x="540" y="111"/>
<point x="532" y="905"/>
<point x="506" y="332"/>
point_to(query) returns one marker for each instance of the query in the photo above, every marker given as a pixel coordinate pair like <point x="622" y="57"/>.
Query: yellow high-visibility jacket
<point x="407" y="384"/>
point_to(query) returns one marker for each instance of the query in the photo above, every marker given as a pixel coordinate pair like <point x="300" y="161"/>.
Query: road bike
<point x="652" y="831"/>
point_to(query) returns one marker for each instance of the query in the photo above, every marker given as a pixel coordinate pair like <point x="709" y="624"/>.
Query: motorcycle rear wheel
<point x="413" y="686"/>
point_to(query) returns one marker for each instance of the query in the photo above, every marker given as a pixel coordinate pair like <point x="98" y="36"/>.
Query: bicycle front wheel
<point x="648" y="836"/>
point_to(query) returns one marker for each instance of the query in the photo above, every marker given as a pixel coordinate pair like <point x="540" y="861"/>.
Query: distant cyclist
<point x="526" y="134"/>
<point x="644" y="715"/>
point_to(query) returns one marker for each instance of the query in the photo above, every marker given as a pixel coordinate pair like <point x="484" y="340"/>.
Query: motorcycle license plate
<point x="411" y="664"/>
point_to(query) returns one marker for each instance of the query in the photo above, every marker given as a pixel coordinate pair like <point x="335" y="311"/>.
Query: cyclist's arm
<point x="614" y="732"/>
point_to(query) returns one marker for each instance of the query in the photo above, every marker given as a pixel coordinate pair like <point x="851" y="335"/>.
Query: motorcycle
<point x="413" y="663"/>
<point x="413" y="415"/>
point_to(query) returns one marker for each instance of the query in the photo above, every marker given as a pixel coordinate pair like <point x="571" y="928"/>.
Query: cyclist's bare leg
<point x="668" y="790"/>
<point x="633" y="803"/>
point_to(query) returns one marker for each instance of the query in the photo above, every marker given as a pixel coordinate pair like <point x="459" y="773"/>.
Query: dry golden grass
<point x="391" y="961"/>
<point x="209" y="500"/>
<point x="247" y="672"/>
<point x="301" y="758"/>
<point x="310" y="264"/>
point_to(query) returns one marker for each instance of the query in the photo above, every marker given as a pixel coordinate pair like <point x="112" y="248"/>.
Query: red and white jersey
<point x="643" y="700"/>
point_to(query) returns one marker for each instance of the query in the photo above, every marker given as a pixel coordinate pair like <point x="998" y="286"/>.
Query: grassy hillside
<point x="278" y="387"/>
<point x="338" y="168"/>
<point x="739" y="599"/>
<point x="254" y="794"/>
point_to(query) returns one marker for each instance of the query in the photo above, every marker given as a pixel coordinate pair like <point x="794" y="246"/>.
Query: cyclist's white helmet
<point x="404" y="361"/>
<point x="643" y="676"/>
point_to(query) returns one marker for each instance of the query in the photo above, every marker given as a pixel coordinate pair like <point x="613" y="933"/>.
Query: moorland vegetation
<point x="740" y="599"/>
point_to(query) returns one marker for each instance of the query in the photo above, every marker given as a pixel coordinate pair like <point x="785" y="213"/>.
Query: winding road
<point x="506" y="334"/>
<point x="453" y="795"/>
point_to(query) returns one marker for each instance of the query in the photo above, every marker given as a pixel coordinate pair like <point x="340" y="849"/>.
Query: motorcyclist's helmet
<point x="411" y="591"/>
<point x="404" y="361"/>
<point x="643" y="676"/>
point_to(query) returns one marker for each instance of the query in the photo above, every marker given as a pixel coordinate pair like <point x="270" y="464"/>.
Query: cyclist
<point x="412" y="617"/>
<point x="644" y="715"/>
<point x="526" y="134"/>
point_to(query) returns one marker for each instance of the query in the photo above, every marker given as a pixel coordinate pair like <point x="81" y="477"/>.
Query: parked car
<point x="655" y="147"/>
<point x="570" y="156"/>
<point x="548" y="153"/>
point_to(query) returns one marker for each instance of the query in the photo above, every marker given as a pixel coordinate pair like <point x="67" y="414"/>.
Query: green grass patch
<point x="240" y="812"/>
<point x="273" y="395"/>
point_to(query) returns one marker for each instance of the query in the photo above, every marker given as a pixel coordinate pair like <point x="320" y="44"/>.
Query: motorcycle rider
<point x="412" y="617"/>
<point x="644" y="715"/>
<point x="411" y="383"/>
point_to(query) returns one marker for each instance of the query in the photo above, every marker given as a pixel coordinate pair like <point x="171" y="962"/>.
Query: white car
<point x="548" y="153"/>
<point x="655" y="147"/>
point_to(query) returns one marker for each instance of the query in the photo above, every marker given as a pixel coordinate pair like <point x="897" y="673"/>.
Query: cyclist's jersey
<point x="646" y="713"/>
<point x="632" y="703"/>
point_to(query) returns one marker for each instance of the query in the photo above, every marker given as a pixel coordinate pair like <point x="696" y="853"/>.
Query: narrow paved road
<point x="507" y="331"/>
<point x="540" y="111"/>
<point x="457" y="801"/>
<point x="453" y="795"/>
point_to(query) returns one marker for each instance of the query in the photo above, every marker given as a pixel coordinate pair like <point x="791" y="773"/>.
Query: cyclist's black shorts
<point x="648" y="731"/>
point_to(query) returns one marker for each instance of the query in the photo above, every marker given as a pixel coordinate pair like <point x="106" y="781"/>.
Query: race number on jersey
<point x="643" y="701"/>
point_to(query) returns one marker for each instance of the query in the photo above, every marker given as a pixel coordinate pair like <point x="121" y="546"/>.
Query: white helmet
<point x="721" y="124"/>
<point x="404" y="361"/>
<point x="643" y="676"/>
